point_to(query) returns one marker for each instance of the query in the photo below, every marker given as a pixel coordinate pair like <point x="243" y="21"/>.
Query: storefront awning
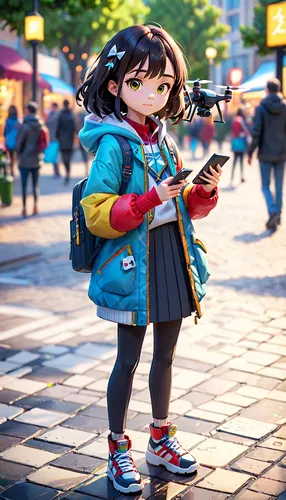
<point x="58" y="86"/>
<point x="14" y="67"/>
<point x="258" y="81"/>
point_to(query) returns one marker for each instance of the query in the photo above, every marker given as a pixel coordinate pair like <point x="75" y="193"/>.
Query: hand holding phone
<point x="180" y="176"/>
<point x="166" y="192"/>
<point x="211" y="163"/>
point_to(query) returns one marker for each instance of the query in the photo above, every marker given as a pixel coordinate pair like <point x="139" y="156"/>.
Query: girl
<point x="239" y="132"/>
<point x="11" y="130"/>
<point x="151" y="267"/>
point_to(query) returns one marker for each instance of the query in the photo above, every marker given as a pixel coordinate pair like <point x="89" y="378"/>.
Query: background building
<point x="236" y="13"/>
<point x="255" y="70"/>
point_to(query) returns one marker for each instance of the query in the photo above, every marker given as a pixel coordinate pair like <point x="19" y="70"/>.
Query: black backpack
<point x="85" y="246"/>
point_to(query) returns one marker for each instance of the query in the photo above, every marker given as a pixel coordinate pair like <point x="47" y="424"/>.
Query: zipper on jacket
<point x="147" y="242"/>
<point x="200" y="243"/>
<point x="76" y="216"/>
<point x="115" y="255"/>
<point x="187" y="257"/>
<point x="185" y="247"/>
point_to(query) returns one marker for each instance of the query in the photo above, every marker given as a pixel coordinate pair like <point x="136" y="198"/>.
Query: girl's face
<point x="146" y="96"/>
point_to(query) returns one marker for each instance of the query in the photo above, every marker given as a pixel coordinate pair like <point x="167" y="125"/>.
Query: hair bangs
<point x="139" y="44"/>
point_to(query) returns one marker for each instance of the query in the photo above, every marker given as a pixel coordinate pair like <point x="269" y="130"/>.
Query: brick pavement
<point x="229" y="389"/>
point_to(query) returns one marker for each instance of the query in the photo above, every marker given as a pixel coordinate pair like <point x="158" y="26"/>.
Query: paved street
<point x="229" y="387"/>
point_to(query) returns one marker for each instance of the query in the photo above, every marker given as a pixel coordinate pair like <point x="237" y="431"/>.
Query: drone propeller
<point x="230" y="87"/>
<point x="200" y="81"/>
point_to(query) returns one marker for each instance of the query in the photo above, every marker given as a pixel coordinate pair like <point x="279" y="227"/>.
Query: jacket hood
<point x="273" y="104"/>
<point x="95" y="127"/>
<point x="33" y="121"/>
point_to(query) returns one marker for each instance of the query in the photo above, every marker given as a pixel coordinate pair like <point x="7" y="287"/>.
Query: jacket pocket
<point x="201" y="259"/>
<point x="111" y="276"/>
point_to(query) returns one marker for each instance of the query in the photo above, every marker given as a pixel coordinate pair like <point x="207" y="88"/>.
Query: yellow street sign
<point x="276" y="24"/>
<point x="34" y="28"/>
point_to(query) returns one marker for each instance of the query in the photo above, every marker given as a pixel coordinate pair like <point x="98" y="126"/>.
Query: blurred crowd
<point x="32" y="142"/>
<point x="265" y="130"/>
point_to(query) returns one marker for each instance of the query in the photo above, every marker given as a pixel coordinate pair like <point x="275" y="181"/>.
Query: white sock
<point x="160" y="422"/>
<point x="115" y="436"/>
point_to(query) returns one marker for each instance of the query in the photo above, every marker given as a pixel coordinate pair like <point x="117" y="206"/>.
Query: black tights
<point x="35" y="178"/>
<point x="236" y="156"/>
<point x="66" y="157"/>
<point x="130" y="340"/>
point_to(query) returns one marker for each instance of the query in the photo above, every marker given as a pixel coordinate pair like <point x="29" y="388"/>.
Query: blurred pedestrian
<point x="206" y="134"/>
<point x="29" y="153"/>
<point x="51" y="155"/>
<point x="269" y="136"/>
<point x="239" y="134"/>
<point x="221" y="132"/>
<point x="11" y="130"/>
<point x="66" y="130"/>
<point x="84" y="154"/>
<point x="194" y="131"/>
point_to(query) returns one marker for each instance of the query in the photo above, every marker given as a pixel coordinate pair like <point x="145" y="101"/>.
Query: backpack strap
<point x="127" y="166"/>
<point x="173" y="150"/>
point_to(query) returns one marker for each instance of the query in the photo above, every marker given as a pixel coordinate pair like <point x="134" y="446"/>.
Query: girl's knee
<point x="127" y="366"/>
<point x="164" y="358"/>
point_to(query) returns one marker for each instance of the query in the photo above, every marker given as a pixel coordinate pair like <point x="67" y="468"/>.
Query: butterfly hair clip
<point x="114" y="53"/>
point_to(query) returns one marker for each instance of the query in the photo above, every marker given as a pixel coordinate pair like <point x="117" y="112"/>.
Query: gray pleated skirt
<point x="170" y="290"/>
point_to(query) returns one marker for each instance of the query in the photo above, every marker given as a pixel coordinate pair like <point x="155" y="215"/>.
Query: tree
<point x="195" y="25"/>
<point x="256" y="35"/>
<point x="78" y="28"/>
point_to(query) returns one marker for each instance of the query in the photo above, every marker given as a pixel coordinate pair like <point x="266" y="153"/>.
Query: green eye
<point x="134" y="84"/>
<point x="163" y="89"/>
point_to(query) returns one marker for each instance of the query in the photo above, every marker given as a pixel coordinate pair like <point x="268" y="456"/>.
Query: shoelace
<point x="174" y="445"/>
<point x="125" y="462"/>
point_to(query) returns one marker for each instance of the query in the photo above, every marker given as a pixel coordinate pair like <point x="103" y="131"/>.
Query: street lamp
<point x="34" y="33"/>
<point x="211" y="54"/>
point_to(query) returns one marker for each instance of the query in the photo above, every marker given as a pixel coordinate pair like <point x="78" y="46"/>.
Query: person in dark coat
<point x="66" y="130"/>
<point x="269" y="136"/>
<point x="30" y="159"/>
<point x="52" y="124"/>
<point x="84" y="153"/>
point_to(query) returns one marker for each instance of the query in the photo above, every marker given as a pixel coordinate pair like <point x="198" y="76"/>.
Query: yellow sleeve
<point x="186" y="192"/>
<point x="97" y="208"/>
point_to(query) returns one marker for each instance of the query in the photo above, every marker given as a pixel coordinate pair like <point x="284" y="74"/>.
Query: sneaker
<point x="121" y="469"/>
<point x="272" y="221"/>
<point x="164" y="449"/>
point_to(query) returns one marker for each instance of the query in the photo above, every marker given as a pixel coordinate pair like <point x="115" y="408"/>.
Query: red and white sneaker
<point x="121" y="469"/>
<point x="164" y="449"/>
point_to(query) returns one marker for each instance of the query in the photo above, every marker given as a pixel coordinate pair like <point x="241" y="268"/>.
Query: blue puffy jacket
<point x="124" y="297"/>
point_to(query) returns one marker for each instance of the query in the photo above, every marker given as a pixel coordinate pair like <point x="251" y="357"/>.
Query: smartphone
<point x="180" y="176"/>
<point x="212" y="162"/>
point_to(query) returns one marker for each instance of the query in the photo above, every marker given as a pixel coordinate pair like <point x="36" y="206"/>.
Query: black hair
<point x="240" y="112"/>
<point x="66" y="104"/>
<point x="55" y="105"/>
<point x="12" y="111"/>
<point x="139" y="43"/>
<point x="273" y="85"/>
<point x="32" y="107"/>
